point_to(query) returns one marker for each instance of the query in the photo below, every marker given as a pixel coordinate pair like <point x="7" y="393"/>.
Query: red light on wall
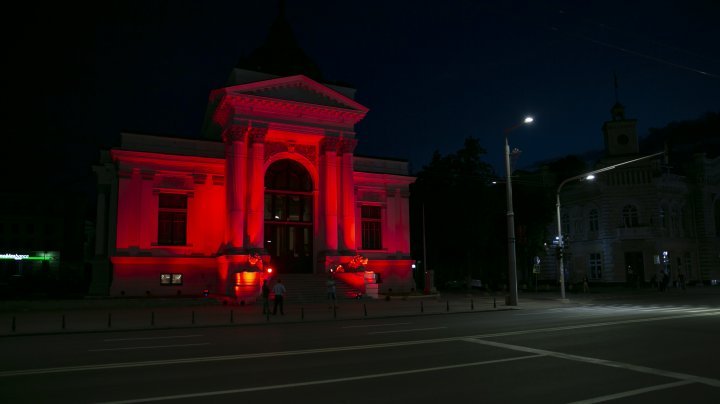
<point x="269" y="270"/>
<point x="245" y="278"/>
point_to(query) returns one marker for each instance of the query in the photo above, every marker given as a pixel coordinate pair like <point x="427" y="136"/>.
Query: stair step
<point x="311" y="288"/>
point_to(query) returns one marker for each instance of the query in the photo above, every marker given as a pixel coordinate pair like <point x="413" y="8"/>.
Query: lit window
<point x="371" y="219"/>
<point x="171" y="279"/>
<point x="172" y="219"/>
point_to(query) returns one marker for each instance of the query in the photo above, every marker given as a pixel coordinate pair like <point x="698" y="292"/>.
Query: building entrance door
<point x="289" y="217"/>
<point x="634" y="268"/>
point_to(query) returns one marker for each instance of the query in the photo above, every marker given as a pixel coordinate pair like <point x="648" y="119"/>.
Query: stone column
<point x="329" y="151"/>
<point x="256" y="208"/>
<point x="101" y="220"/>
<point x="347" y="225"/>
<point x="235" y="139"/>
<point x="145" y="239"/>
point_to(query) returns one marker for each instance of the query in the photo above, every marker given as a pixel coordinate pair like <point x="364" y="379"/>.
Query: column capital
<point x="330" y="144"/>
<point x="348" y="145"/>
<point x="257" y="135"/>
<point x="235" y="133"/>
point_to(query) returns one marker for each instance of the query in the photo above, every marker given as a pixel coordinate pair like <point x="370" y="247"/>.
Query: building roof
<point x="281" y="54"/>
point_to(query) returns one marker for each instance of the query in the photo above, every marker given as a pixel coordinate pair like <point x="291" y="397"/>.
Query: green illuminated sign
<point x="21" y="257"/>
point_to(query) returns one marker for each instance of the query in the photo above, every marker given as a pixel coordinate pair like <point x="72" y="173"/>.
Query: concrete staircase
<point x="311" y="288"/>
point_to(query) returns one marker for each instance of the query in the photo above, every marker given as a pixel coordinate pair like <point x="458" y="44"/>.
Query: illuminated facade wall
<point x="634" y="223"/>
<point x="179" y="216"/>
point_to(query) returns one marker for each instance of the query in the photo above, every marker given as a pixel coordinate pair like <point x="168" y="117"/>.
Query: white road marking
<point x="206" y="359"/>
<point x="374" y="325"/>
<point x="146" y="347"/>
<point x="406" y="330"/>
<point x="151" y="338"/>
<point x="604" y="362"/>
<point x="629" y="393"/>
<point x="317" y="382"/>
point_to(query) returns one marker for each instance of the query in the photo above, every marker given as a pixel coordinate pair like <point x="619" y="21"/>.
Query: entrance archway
<point x="289" y="217"/>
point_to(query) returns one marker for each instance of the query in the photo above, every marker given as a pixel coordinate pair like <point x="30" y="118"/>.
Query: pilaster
<point x="256" y="195"/>
<point x="235" y="139"/>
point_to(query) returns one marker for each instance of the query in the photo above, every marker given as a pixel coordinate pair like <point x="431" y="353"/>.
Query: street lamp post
<point x="512" y="264"/>
<point x="589" y="176"/>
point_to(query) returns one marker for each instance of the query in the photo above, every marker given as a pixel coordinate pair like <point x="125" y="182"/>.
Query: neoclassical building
<point x="639" y="220"/>
<point x="274" y="183"/>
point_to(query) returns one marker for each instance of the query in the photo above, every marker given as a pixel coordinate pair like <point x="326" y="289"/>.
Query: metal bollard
<point x="63" y="321"/>
<point x="365" y="309"/>
<point x="422" y="307"/>
<point x="13" y="324"/>
<point x="152" y="318"/>
<point x="494" y="303"/>
<point x="334" y="311"/>
<point x="232" y="320"/>
<point x="192" y="319"/>
<point x="472" y="304"/>
<point x="109" y="320"/>
<point x="447" y="305"/>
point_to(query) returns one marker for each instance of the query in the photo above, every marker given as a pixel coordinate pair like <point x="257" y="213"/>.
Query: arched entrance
<point x="289" y="217"/>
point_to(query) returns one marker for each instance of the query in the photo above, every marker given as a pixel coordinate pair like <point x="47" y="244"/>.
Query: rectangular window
<point x="593" y="220"/>
<point x="595" y="264"/>
<point x="171" y="279"/>
<point x="172" y="219"/>
<point x="371" y="219"/>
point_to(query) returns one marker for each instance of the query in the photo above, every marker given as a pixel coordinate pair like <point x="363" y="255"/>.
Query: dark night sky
<point x="432" y="73"/>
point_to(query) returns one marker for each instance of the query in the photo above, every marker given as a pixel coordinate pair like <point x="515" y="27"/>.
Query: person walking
<point x="331" y="290"/>
<point x="586" y="287"/>
<point x="266" y="296"/>
<point x="681" y="280"/>
<point x="279" y="290"/>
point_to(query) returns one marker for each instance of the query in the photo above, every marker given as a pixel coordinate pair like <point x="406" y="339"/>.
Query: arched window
<point x="630" y="216"/>
<point x="289" y="216"/>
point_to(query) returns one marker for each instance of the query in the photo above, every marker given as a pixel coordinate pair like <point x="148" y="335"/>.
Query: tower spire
<point x="617" y="98"/>
<point x="281" y="54"/>
<point x="618" y="110"/>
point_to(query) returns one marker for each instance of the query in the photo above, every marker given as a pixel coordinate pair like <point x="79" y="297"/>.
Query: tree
<point x="460" y="210"/>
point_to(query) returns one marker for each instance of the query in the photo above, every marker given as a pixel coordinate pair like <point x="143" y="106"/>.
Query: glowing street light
<point x="512" y="265"/>
<point x="587" y="176"/>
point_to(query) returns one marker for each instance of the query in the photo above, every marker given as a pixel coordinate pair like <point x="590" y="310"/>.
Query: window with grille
<point x="371" y="227"/>
<point x="172" y="219"/>
<point x="593" y="220"/>
<point x="630" y="216"/>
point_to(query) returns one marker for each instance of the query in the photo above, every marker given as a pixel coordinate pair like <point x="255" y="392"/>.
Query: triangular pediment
<point x="297" y="89"/>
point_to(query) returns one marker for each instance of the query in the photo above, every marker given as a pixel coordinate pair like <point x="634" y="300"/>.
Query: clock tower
<point x="620" y="134"/>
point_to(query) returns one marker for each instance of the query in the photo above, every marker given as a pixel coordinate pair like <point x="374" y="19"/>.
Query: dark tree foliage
<point x="461" y="211"/>
<point x="684" y="139"/>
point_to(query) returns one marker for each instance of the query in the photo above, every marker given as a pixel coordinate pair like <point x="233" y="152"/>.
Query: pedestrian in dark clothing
<point x="266" y="297"/>
<point x="331" y="290"/>
<point x="681" y="280"/>
<point x="279" y="290"/>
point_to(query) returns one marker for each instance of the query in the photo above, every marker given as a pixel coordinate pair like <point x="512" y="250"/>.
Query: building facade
<point x="636" y="222"/>
<point x="274" y="185"/>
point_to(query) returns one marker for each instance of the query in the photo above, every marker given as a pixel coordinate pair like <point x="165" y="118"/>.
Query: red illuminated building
<point x="273" y="184"/>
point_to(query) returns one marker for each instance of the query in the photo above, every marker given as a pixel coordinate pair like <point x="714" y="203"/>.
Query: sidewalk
<point x="115" y="314"/>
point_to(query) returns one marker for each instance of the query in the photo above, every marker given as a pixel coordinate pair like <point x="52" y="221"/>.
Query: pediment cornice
<point x="294" y="97"/>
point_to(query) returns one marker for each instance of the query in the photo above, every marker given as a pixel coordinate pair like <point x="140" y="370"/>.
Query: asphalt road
<point x="630" y="350"/>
